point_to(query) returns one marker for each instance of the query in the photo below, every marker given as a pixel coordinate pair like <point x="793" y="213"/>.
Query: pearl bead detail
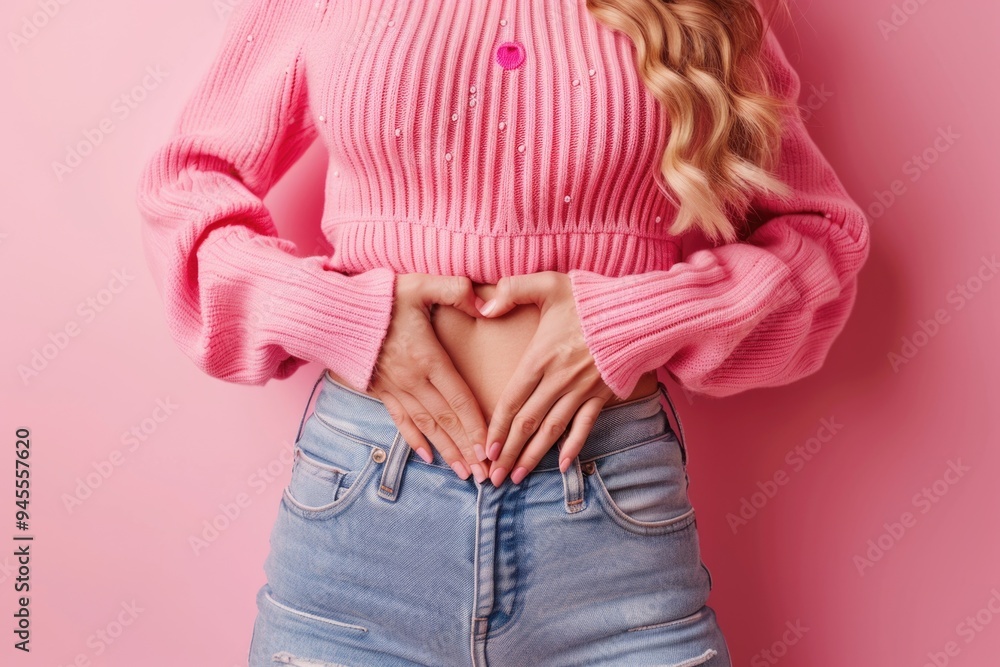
<point x="657" y="218"/>
<point x="398" y="131"/>
<point x="472" y="102"/>
<point x="249" y="38"/>
<point x="454" y="116"/>
<point x="447" y="156"/>
<point x="322" y="119"/>
<point x="503" y="21"/>
<point x="520" y="149"/>
<point x="392" y="22"/>
<point x="503" y="125"/>
<point x="829" y="215"/>
<point x="576" y="82"/>
<point x="567" y="198"/>
<point x="593" y="72"/>
<point x="472" y="90"/>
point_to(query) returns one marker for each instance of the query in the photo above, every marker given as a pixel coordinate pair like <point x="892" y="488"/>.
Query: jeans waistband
<point x="616" y="427"/>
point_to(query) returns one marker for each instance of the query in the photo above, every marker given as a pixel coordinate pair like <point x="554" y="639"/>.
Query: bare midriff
<point x="486" y="352"/>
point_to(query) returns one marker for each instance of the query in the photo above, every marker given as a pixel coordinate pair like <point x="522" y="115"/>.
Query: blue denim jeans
<point x="379" y="559"/>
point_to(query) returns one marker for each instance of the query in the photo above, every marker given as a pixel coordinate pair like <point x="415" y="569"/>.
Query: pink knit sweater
<point x="477" y="138"/>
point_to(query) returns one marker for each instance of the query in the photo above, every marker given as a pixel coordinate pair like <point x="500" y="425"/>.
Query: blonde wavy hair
<point x="700" y="59"/>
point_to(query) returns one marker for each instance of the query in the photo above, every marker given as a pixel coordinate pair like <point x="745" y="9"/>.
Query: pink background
<point x="123" y="553"/>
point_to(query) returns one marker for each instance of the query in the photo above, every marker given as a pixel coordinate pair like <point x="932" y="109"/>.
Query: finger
<point x="520" y="289"/>
<point x="555" y="423"/>
<point x="444" y="416"/>
<point x="580" y="427"/>
<point x="449" y="422"/>
<point x="424" y="419"/>
<point x="525" y="423"/>
<point x="432" y="371"/>
<point x="459" y="396"/>
<point x="455" y="291"/>
<point x="411" y="434"/>
<point x="519" y="388"/>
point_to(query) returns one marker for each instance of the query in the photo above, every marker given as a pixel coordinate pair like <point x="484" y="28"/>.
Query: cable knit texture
<point x="482" y="138"/>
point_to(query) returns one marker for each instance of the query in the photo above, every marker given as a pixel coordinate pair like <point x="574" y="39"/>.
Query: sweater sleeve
<point x="239" y="302"/>
<point x="753" y="313"/>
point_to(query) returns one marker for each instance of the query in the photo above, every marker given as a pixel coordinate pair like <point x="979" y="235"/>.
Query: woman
<point x="570" y="168"/>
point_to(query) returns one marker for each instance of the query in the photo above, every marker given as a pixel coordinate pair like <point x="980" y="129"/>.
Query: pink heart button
<point x="510" y="54"/>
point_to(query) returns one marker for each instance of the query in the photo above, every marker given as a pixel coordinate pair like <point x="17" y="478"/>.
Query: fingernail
<point x="426" y="455"/>
<point x="495" y="451"/>
<point x="563" y="465"/>
<point x="497" y="476"/>
<point x="479" y="302"/>
<point x="480" y="452"/>
<point x="487" y="307"/>
<point x="518" y="474"/>
<point x="478" y="472"/>
<point x="460" y="469"/>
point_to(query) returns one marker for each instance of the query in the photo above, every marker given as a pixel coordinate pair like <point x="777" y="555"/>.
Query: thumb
<point x="453" y="291"/>
<point x="514" y="290"/>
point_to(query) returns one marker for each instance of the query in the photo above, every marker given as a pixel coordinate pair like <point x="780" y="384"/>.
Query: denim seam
<point x="299" y="612"/>
<point x="349" y="436"/>
<point x="287" y="658"/>
<point x="625" y="448"/>
<point x="328" y="378"/>
<point x="631" y="401"/>
<point x="698" y="659"/>
<point x="512" y="621"/>
<point x="666" y="624"/>
<point x="642" y="443"/>
<point x="304" y="456"/>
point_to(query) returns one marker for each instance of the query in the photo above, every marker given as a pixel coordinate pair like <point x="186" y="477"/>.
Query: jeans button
<point x="588" y="468"/>
<point x="378" y="454"/>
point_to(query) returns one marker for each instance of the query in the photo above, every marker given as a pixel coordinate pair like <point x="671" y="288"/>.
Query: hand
<point x="418" y="383"/>
<point x="556" y="384"/>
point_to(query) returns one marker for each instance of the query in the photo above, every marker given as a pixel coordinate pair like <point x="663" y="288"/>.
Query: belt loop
<point x="308" y="403"/>
<point x="392" y="471"/>
<point x="573" y="487"/>
<point x="680" y="429"/>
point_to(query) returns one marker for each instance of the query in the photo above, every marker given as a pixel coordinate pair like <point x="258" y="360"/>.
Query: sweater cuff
<point x="636" y="323"/>
<point x="287" y="305"/>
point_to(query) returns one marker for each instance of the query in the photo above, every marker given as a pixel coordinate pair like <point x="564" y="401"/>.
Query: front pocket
<point x="645" y="488"/>
<point x="315" y="485"/>
<point x="318" y="489"/>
